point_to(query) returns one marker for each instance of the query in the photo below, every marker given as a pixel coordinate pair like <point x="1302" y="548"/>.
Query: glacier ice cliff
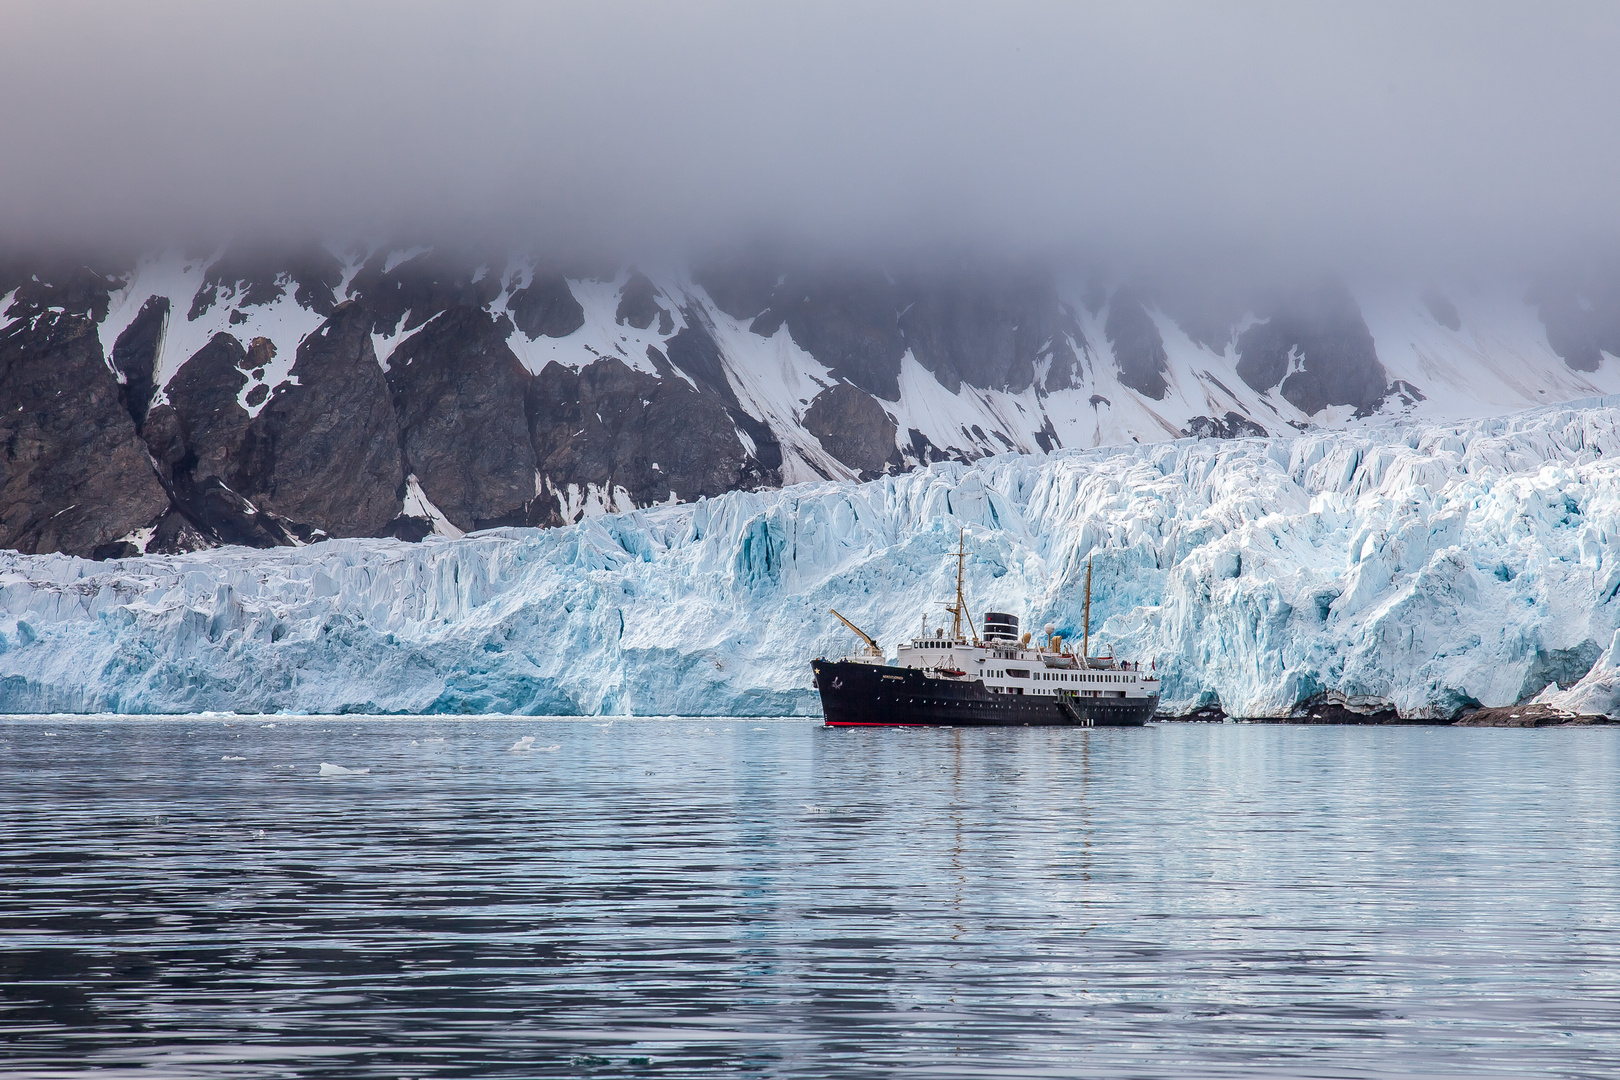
<point x="1424" y="567"/>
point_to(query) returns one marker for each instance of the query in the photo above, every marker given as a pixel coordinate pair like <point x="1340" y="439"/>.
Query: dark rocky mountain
<point x="74" y="474"/>
<point x="1138" y="346"/>
<point x="459" y="392"/>
<point x="1582" y="314"/>
<point x="271" y="397"/>
<point x="324" y="451"/>
<point x="853" y="428"/>
<point x="1316" y="349"/>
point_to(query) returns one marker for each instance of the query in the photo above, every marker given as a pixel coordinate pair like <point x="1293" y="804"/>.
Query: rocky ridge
<point x="268" y="398"/>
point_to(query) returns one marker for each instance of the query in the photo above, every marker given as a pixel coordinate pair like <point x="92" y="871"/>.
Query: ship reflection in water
<point x="778" y="899"/>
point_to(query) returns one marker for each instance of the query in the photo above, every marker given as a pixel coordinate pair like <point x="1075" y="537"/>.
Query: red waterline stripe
<point x="877" y="723"/>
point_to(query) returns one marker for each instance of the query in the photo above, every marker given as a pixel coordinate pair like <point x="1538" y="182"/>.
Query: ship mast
<point x="1085" y="642"/>
<point x="960" y="608"/>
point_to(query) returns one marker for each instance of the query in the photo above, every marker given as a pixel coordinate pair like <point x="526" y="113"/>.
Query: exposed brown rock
<point x="74" y="474"/>
<point x="1316" y="346"/>
<point x="989" y="330"/>
<point x="250" y="277"/>
<point x="458" y="393"/>
<point x="322" y="457"/>
<point x="1138" y="346"/>
<point x="1581" y="311"/>
<point x="638" y="304"/>
<point x="848" y="321"/>
<point x="135" y="356"/>
<point x="324" y="452"/>
<point x="1527" y="716"/>
<point x="195" y="437"/>
<point x="418" y="290"/>
<point x="852" y="427"/>
<point x="546" y="308"/>
<point x="1232" y="426"/>
<point x="614" y="427"/>
<point x="197" y="431"/>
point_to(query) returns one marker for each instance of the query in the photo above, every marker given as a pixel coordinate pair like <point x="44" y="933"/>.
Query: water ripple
<point x="776" y="899"/>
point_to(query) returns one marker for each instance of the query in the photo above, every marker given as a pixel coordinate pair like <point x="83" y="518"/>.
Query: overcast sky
<point x="1362" y="130"/>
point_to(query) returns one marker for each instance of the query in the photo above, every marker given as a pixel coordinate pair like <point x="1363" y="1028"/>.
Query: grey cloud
<point x="1369" y="131"/>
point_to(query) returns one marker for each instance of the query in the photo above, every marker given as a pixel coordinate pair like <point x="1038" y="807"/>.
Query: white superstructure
<point x="1008" y="666"/>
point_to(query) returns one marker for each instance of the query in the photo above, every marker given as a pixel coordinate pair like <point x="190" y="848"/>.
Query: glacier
<point x="1424" y="567"/>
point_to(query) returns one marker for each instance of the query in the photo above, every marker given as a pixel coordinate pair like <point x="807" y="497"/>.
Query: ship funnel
<point x="999" y="626"/>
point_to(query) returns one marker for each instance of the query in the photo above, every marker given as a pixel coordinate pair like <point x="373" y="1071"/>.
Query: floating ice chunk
<point x="328" y="769"/>
<point x="525" y="743"/>
<point x="552" y="749"/>
<point x="232" y="757"/>
<point x="266" y="727"/>
<point x="809" y="809"/>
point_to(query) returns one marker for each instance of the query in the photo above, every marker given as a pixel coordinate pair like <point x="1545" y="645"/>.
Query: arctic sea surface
<point x="358" y="896"/>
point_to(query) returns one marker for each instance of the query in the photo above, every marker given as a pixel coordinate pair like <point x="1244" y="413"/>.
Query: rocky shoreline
<point x="1508" y="716"/>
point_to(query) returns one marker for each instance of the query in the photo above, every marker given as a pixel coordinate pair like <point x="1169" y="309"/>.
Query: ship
<point x="999" y="678"/>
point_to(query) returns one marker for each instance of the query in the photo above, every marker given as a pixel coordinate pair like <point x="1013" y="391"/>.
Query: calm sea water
<point x="769" y="898"/>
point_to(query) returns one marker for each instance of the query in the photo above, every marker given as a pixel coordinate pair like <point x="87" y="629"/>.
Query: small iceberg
<point x="525" y="743"/>
<point x="328" y="769"/>
<point x="231" y="757"/>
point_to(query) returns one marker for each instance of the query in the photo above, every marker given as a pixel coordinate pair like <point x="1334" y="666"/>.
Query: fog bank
<point x="1374" y="133"/>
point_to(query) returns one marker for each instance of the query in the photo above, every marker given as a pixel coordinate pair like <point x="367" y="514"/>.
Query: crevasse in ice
<point x="1419" y="566"/>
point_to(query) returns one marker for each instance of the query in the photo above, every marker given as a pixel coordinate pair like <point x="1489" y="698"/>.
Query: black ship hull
<point x="869" y="695"/>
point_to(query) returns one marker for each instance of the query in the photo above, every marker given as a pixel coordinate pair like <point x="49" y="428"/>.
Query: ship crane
<point x="872" y="647"/>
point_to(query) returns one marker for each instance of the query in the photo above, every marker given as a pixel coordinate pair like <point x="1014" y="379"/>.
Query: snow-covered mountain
<point x="180" y="402"/>
<point x="1398" y="564"/>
